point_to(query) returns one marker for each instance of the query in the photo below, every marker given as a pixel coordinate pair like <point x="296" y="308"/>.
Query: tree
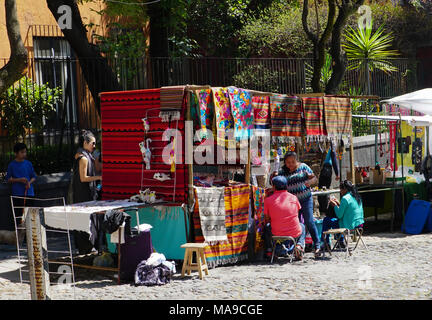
<point x="89" y="55"/>
<point x="367" y="51"/>
<point x="18" y="61"/>
<point x="319" y="42"/>
<point x="334" y="28"/>
<point x="346" y="9"/>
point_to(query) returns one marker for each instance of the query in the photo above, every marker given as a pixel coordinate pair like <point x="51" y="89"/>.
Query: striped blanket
<point x="337" y="113"/>
<point x="285" y="116"/>
<point x="261" y="108"/>
<point x="313" y="109"/>
<point x="236" y="222"/>
<point x="172" y="97"/>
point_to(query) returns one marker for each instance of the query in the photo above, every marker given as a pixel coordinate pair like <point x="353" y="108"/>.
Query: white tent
<point x="420" y="101"/>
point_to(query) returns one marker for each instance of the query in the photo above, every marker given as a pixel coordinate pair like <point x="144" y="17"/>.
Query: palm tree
<point x="369" y="51"/>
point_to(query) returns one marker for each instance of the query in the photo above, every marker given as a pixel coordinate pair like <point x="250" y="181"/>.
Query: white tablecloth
<point x="77" y="216"/>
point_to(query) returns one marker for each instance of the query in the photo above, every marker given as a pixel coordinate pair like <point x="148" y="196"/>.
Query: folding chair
<point x="354" y="235"/>
<point x="280" y="240"/>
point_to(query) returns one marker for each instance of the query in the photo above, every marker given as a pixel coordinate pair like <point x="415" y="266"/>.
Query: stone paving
<point x="397" y="266"/>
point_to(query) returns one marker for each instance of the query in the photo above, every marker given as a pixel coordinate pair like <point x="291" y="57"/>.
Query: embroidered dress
<point x="224" y="119"/>
<point x="296" y="181"/>
<point x="206" y="107"/>
<point x="241" y="108"/>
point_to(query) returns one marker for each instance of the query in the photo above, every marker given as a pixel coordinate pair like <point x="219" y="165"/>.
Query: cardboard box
<point x="358" y="177"/>
<point x="378" y="176"/>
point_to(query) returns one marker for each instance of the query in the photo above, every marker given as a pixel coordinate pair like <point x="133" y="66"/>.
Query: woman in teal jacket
<point x="349" y="210"/>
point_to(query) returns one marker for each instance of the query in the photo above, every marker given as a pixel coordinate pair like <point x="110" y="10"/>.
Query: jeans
<point x="330" y="223"/>
<point x="307" y="212"/>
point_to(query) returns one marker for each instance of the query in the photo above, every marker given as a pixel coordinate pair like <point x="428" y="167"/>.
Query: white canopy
<point x="420" y="101"/>
<point x="419" y="121"/>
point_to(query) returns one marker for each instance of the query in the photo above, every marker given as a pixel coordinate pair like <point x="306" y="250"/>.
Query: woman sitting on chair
<point x="349" y="211"/>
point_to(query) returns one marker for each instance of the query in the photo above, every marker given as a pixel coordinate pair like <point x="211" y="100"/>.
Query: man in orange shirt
<point x="281" y="210"/>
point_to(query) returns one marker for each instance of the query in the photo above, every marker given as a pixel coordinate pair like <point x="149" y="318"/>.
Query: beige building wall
<point x="33" y="14"/>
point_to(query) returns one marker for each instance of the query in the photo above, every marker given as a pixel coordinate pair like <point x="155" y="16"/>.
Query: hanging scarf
<point x="241" y="108"/>
<point x="313" y="109"/>
<point x="259" y="197"/>
<point x="338" y="118"/>
<point x="285" y="116"/>
<point x="261" y="108"/>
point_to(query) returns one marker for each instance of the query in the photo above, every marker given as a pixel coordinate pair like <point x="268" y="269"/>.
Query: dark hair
<point x="86" y="136"/>
<point x="290" y="154"/>
<point x="19" y="146"/>
<point x="351" y="188"/>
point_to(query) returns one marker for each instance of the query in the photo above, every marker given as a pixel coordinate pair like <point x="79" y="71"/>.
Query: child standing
<point x="21" y="174"/>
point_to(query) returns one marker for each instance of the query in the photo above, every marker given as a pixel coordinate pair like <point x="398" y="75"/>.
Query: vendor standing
<point x="84" y="183"/>
<point x="300" y="178"/>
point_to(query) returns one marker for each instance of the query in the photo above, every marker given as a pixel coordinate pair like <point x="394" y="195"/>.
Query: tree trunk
<point x="339" y="61"/>
<point x="96" y="70"/>
<point x="319" y="43"/>
<point x="16" y="67"/>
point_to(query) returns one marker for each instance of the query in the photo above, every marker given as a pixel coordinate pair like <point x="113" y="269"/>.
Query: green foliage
<point x="258" y="77"/>
<point x="368" y="50"/>
<point x="278" y="32"/>
<point x="45" y="159"/>
<point x="326" y="73"/>
<point x="24" y="106"/>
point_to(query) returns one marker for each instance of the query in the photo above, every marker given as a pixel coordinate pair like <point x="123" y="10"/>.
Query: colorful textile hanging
<point x="211" y="203"/>
<point x="205" y="107"/>
<point x="285" y="116"/>
<point x="313" y="109"/>
<point x="259" y="197"/>
<point x="242" y="111"/>
<point x="172" y="97"/>
<point x="261" y="108"/>
<point x="337" y="115"/>
<point x="224" y="119"/>
<point x="236" y="221"/>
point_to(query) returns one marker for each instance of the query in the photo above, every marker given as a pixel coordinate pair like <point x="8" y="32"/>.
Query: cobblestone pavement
<point x="397" y="266"/>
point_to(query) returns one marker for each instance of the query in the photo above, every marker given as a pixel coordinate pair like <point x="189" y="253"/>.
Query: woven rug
<point x="313" y="109"/>
<point x="172" y="97"/>
<point x="242" y="111"/>
<point x="236" y="222"/>
<point x="338" y="118"/>
<point x="224" y="119"/>
<point x="259" y="195"/>
<point x="211" y="203"/>
<point x="261" y="108"/>
<point x="285" y="116"/>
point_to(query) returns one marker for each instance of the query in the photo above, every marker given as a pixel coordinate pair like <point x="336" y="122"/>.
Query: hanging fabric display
<point x="236" y="220"/>
<point x="205" y="106"/>
<point x="211" y="204"/>
<point x="337" y="115"/>
<point x="258" y="197"/>
<point x="261" y="109"/>
<point x="224" y="119"/>
<point x="285" y="116"/>
<point x="242" y="111"/>
<point x="172" y="97"/>
<point x="313" y="110"/>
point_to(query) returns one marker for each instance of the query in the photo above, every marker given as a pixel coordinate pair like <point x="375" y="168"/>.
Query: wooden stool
<point x="200" y="265"/>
